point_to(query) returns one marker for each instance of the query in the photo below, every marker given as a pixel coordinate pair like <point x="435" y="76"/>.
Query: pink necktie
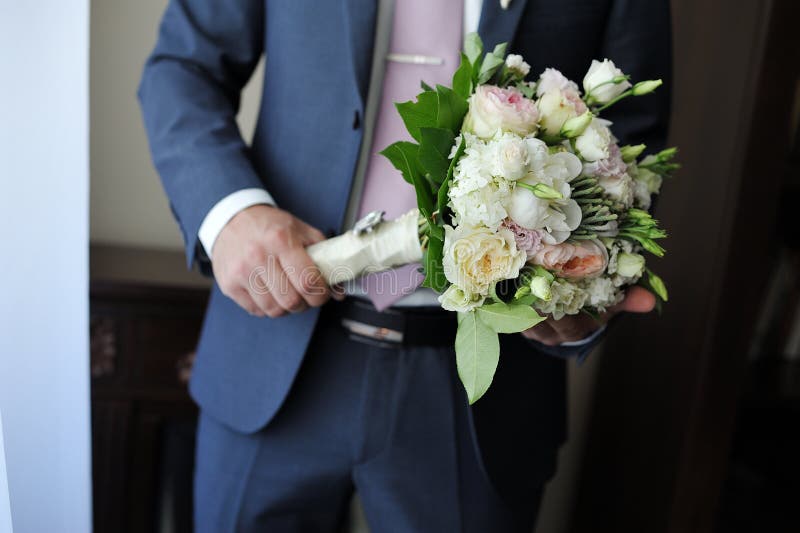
<point x="420" y="28"/>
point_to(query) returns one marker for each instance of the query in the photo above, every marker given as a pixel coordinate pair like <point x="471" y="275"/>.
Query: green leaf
<point x="434" y="150"/>
<point x="657" y="284"/>
<point x="528" y="299"/>
<point x="419" y="114"/>
<point x="505" y="318"/>
<point x="477" y="354"/>
<point x="434" y="272"/>
<point x="500" y="51"/>
<point x="488" y="68"/>
<point x="462" y="79"/>
<point x="451" y="109"/>
<point x="402" y="155"/>
<point x="473" y="47"/>
<point x="425" y="86"/>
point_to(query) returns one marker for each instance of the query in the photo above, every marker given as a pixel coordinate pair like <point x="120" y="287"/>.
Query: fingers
<point x="637" y="300"/>
<point x="544" y="333"/>
<point x="304" y="277"/>
<point x="311" y="234"/>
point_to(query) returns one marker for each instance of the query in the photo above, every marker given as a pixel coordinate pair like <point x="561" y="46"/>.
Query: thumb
<point x="637" y="300"/>
<point x="312" y="235"/>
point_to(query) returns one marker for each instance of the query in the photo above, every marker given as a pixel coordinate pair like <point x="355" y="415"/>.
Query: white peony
<point x="458" y="300"/>
<point x="597" y="84"/>
<point x="476" y="258"/>
<point x="593" y="144"/>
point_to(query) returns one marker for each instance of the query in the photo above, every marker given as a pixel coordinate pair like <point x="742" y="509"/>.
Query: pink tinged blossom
<point x="584" y="259"/>
<point x="612" y="166"/>
<point x="528" y="240"/>
<point x="493" y="109"/>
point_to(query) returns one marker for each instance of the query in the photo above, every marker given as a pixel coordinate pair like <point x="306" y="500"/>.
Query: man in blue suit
<point x="298" y="407"/>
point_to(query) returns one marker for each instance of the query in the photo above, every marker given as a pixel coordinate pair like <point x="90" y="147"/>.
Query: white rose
<point x="459" y="300"/>
<point x="510" y="157"/>
<point x="555" y="109"/>
<point x="597" y="84"/>
<point x="553" y="79"/>
<point x="516" y="63"/>
<point x="477" y="258"/>
<point x="630" y="265"/>
<point x="593" y="143"/>
<point x="641" y="195"/>
<point x="620" y="188"/>
<point x="493" y="109"/>
<point x="650" y="179"/>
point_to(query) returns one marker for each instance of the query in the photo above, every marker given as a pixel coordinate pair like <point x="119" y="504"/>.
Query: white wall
<point x="128" y="206"/>
<point x="44" y="367"/>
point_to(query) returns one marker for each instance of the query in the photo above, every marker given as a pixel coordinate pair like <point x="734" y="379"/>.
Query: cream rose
<point x="458" y="300"/>
<point x="493" y="109"/>
<point x="476" y="258"/>
<point x="510" y="157"/>
<point x="575" y="261"/>
<point x="598" y="85"/>
<point x="555" y="109"/>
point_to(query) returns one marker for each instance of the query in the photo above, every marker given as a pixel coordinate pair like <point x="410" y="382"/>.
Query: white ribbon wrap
<point x="390" y="244"/>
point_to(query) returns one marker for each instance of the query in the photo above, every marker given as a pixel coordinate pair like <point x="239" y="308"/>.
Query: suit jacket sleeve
<point x="638" y="38"/>
<point x="189" y="94"/>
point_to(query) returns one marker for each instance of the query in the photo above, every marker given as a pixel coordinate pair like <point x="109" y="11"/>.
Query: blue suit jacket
<point x="308" y="135"/>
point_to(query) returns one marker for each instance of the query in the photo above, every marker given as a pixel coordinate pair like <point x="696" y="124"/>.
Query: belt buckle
<point x="373" y="332"/>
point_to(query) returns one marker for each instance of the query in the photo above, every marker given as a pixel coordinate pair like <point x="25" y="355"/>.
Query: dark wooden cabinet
<point x="142" y="347"/>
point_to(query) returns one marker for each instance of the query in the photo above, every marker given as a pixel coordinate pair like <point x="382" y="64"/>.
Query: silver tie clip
<point x="416" y="59"/>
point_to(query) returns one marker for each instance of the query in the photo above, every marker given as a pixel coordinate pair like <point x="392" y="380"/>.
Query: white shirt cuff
<point x="585" y="341"/>
<point x="226" y="209"/>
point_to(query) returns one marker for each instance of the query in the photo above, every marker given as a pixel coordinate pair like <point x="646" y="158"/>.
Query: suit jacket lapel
<point x="359" y="26"/>
<point x="498" y="25"/>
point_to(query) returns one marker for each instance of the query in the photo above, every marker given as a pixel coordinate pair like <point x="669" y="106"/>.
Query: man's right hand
<point x="260" y="262"/>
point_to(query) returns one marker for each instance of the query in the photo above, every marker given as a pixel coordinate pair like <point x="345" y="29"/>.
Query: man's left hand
<point x="572" y="328"/>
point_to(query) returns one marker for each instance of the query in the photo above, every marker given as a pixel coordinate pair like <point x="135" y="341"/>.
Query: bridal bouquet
<point x="527" y="206"/>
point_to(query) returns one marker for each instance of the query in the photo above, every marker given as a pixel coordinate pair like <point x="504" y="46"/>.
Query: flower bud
<point x="540" y="287"/>
<point x="629" y="153"/>
<point x="666" y="154"/>
<point x="644" y="87"/>
<point x="630" y="265"/>
<point x="576" y="125"/>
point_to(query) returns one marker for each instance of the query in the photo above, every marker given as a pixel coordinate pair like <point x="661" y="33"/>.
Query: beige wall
<point x="128" y="206"/>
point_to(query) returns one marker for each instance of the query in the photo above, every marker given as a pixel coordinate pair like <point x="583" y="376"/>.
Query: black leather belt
<point x="413" y="326"/>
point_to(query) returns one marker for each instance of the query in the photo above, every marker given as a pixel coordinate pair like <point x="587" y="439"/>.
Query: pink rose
<point x="575" y="261"/>
<point x="493" y="109"/>
<point x="528" y="240"/>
